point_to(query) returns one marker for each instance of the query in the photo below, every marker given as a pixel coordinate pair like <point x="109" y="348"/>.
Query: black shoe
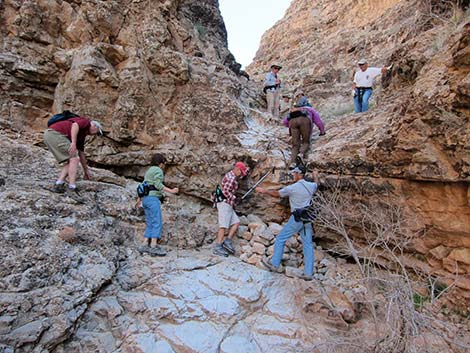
<point x="75" y="195"/>
<point x="220" y="251"/>
<point x="305" y="277"/>
<point x="323" y="134"/>
<point x="299" y="161"/>
<point x="142" y="249"/>
<point x="269" y="266"/>
<point x="228" y="246"/>
<point x="157" y="251"/>
<point x="59" y="188"/>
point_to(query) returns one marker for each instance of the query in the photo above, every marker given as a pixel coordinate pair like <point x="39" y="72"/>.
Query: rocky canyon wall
<point x="412" y="147"/>
<point x="159" y="76"/>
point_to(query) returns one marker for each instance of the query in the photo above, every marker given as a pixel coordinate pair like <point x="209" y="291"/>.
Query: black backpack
<point x="217" y="195"/>
<point x="308" y="213"/>
<point x="65" y="115"/>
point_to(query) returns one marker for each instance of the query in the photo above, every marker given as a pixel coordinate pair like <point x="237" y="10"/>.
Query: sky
<point x="246" y="21"/>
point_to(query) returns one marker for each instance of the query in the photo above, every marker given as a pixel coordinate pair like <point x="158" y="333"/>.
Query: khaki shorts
<point x="58" y="144"/>
<point x="227" y="216"/>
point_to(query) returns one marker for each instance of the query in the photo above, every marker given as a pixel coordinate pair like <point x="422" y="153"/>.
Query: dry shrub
<point x="405" y="319"/>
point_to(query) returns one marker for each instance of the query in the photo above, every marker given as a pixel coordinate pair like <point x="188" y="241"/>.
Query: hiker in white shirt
<point x="272" y="88"/>
<point x="362" y="84"/>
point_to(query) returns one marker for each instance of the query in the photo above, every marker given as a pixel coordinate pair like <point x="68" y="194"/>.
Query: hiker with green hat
<point x="272" y="88"/>
<point x="65" y="138"/>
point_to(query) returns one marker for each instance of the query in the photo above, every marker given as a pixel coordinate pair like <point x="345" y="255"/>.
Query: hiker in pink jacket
<point x="312" y="114"/>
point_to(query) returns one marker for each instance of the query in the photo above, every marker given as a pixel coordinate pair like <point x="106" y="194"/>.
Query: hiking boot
<point x="323" y="134"/>
<point x="59" y="188"/>
<point x="228" y="246"/>
<point x="75" y="195"/>
<point x="299" y="161"/>
<point x="269" y="266"/>
<point x="157" y="251"/>
<point x="220" y="251"/>
<point x="305" y="277"/>
<point x="143" y="249"/>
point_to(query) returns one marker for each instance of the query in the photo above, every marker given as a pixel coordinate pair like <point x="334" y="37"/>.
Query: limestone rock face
<point x="412" y="147"/>
<point x="157" y="74"/>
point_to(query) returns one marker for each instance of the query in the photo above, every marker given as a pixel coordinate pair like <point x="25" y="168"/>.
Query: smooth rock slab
<point x="146" y="343"/>
<point x="193" y="336"/>
<point x="239" y="344"/>
<point x="220" y="306"/>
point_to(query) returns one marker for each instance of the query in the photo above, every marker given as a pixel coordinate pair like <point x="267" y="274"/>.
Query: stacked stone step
<point x="256" y="240"/>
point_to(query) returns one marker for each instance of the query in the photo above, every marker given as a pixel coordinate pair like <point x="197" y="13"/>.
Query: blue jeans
<point x="153" y="217"/>
<point x="306" y="233"/>
<point x="363" y="105"/>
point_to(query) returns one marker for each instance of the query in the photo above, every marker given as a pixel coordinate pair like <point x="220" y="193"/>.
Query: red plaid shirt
<point x="229" y="187"/>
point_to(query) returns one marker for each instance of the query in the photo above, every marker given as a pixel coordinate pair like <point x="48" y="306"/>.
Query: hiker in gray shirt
<point x="300" y="194"/>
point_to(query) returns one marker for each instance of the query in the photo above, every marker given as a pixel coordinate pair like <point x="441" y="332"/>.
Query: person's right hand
<point x="72" y="149"/>
<point x="259" y="190"/>
<point x="174" y="190"/>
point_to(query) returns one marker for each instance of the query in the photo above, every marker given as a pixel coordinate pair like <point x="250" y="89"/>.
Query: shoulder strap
<point x="311" y="193"/>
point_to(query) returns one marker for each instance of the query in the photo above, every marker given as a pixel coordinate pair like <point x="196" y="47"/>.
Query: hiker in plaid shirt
<point x="228" y="219"/>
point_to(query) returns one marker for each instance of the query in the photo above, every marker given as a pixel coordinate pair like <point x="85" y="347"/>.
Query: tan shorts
<point x="227" y="216"/>
<point x="58" y="144"/>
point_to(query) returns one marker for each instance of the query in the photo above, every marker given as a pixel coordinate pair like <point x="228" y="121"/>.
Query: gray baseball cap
<point x="98" y="125"/>
<point x="299" y="169"/>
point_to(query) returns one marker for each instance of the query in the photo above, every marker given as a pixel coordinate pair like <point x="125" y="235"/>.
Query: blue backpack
<point x="65" y="115"/>
<point x="143" y="189"/>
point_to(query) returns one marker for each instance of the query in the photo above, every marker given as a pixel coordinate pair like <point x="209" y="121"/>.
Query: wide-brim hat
<point x="275" y="66"/>
<point x="299" y="91"/>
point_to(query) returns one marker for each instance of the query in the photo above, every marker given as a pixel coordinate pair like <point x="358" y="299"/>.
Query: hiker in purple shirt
<point x="312" y="114"/>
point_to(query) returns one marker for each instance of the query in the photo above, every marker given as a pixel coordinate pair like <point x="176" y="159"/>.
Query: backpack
<point x="65" y="115"/>
<point x="144" y="188"/>
<point x="217" y="195"/>
<point x="308" y="213"/>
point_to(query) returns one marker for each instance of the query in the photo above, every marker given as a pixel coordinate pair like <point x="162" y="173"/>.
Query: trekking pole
<point x="257" y="183"/>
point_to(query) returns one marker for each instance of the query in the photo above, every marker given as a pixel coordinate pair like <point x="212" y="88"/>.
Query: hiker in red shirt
<point x="66" y="140"/>
<point x="228" y="219"/>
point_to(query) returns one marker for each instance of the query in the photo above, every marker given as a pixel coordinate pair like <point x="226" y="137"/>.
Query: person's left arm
<point x="170" y="190"/>
<point x="376" y="71"/>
